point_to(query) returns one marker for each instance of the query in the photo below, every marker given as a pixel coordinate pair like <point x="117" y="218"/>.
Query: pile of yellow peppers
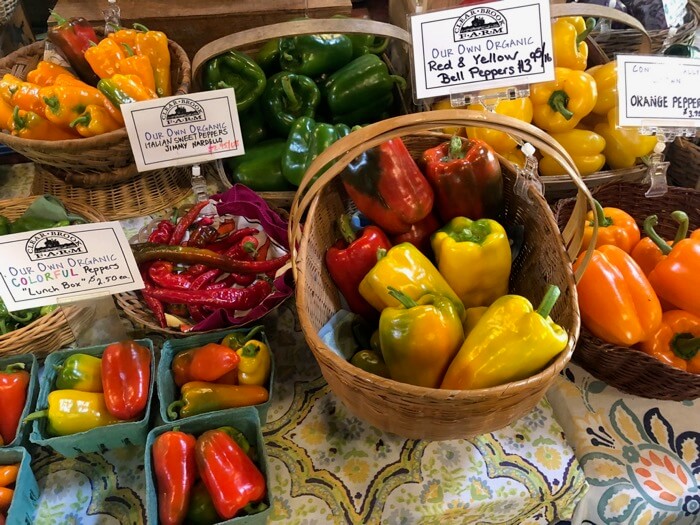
<point x="578" y="109"/>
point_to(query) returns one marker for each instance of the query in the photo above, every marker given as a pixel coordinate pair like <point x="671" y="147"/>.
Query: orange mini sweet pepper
<point x="677" y="341"/>
<point x="617" y="302"/>
<point x="615" y="227"/>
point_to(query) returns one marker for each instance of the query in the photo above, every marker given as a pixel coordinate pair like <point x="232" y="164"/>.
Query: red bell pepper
<point x="388" y="187"/>
<point x="204" y="363"/>
<point x="419" y="234"/>
<point x="14" y="382"/>
<point x="72" y="37"/>
<point x="466" y="177"/>
<point x="349" y="260"/>
<point x="231" y="477"/>
<point x="126" y="379"/>
<point x="175" y="468"/>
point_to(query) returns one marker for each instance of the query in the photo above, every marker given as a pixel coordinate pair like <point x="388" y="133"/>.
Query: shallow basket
<point x="684" y="156"/>
<point x="52" y="331"/>
<point x="627" y="369"/>
<point x="92" y="156"/>
<point x="407" y="410"/>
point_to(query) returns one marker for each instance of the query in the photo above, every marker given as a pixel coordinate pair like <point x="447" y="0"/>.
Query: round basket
<point x="52" y="331"/>
<point x="407" y="410"/>
<point x="684" y="158"/>
<point x="627" y="369"/>
<point x="151" y="192"/>
<point x="7" y="8"/>
<point x="90" y="157"/>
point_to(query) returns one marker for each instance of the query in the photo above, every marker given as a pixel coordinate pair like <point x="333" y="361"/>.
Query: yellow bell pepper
<point x="420" y="338"/>
<point x="407" y="270"/>
<point x="585" y="147"/>
<point x="515" y="156"/>
<point x="474" y="258"/>
<point x="520" y="108"/>
<point x="605" y="77"/>
<point x="471" y="318"/>
<point x="623" y="146"/>
<point x="254" y="367"/>
<point x="569" y="41"/>
<point x="445" y="103"/>
<point x="560" y="104"/>
<point x="512" y="341"/>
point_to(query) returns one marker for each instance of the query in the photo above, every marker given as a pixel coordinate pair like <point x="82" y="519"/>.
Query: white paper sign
<point x="182" y="130"/>
<point x="486" y="46"/>
<point x="40" y="268"/>
<point x="658" y="91"/>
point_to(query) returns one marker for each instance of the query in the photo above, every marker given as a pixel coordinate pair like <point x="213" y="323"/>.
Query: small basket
<point x="684" y="158"/>
<point x="32" y="367"/>
<point x="627" y="369"/>
<point x="407" y="410"/>
<point x="52" y="331"/>
<point x="26" y="493"/>
<point x="92" y="157"/>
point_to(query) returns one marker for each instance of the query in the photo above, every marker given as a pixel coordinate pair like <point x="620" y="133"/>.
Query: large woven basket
<point x="7" y="8"/>
<point x="52" y="331"/>
<point x="684" y="159"/>
<point x="625" y="368"/>
<point x="411" y="411"/>
<point x="93" y="156"/>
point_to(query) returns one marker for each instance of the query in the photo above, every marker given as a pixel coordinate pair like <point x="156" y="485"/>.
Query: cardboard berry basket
<point x="26" y="491"/>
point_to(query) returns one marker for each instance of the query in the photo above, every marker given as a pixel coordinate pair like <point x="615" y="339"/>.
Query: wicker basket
<point x="89" y="157"/>
<point x="684" y="156"/>
<point x="7" y="8"/>
<point x="411" y="411"/>
<point x="625" y="368"/>
<point x="52" y="331"/>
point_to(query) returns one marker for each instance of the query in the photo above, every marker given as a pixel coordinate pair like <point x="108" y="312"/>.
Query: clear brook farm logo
<point x="48" y="244"/>
<point x="479" y="22"/>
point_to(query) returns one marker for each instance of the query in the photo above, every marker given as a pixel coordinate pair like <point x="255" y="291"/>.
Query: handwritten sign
<point x="182" y="130"/>
<point x="45" y="267"/>
<point x="659" y="91"/>
<point x="486" y="46"/>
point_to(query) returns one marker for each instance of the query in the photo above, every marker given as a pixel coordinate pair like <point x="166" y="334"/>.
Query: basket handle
<point x="348" y="148"/>
<point x="309" y="26"/>
<point x="598" y="11"/>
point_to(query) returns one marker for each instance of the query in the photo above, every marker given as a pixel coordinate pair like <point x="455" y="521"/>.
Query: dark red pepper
<point x="388" y="187"/>
<point x="161" y="273"/>
<point x="350" y="259"/>
<point x="153" y="304"/>
<point x="225" y="243"/>
<point x="126" y="378"/>
<point x="202" y="236"/>
<point x="162" y="232"/>
<point x="235" y="298"/>
<point x="419" y="234"/>
<point x="72" y="37"/>
<point x="467" y="179"/>
<point x="186" y="221"/>
<point x="175" y="467"/>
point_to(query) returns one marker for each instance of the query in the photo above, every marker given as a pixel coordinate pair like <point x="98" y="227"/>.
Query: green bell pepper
<point x="361" y="91"/>
<point x="235" y="70"/>
<point x="268" y="57"/>
<point x="253" y="125"/>
<point x="287" y="97"/>
<point x="5" y="225"/>
<point x="366" y="44"/>
<point x="260" y="168"/>
<point x="314" y="55"/>
<point x="307" y="140"/>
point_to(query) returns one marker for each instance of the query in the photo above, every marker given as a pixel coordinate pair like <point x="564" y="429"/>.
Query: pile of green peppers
<point x="297" y="96"/>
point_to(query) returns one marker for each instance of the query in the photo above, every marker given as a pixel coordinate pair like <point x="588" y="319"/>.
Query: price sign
<point x="183" y="130"/>
<point x="45" y="267"/>
<point x="658" y="91"/>
<point x="480" y="47"/>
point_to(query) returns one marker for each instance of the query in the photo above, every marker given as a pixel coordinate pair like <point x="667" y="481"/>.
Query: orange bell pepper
<point x="617" y="302"/>
<point x="615" y="227"/>
<point x="646" y="253"/>
<point x="675" y="278"/>
<point x="677" y="341"/>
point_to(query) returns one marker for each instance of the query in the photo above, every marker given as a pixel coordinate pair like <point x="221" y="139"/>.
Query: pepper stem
<point x="83" y="120"/>
<point x="603" y="221"/>
<point x="250" y="350"/>
<point x="590" y="26"/>
<point x="380" y="43"/>
<point x="14" y="367"/>
<point x="140" y="27"/>
<point x="685" y="346"/>
<point x="36" y="415"/>
<point x="401" y="297"/>
<point x="558" y="102"/>
<point x="455" y="152"/>
<point x="253" y="332"/>
<point x="346" y="229"/>
<point x="381" y="253"/>
<point x="129" y="49"/>
<point x="399" y="81"/>
<point x="294" y="103"/>
<point x="20" y="123"/>
<point x="173" y="410"/>
<point x="550" y="298"/>
<point x="681" y="218"/>
<point x="59" y="19"/>
<point x="649" y="224"/>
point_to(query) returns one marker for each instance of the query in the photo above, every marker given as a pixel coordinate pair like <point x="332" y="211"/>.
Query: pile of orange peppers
<point x="8" y="478"/>
<point x="643" y="292"/>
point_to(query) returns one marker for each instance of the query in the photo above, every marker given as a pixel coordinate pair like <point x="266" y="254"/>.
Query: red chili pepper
<point x="161" y="273"/>
<point x="153" y="304"/>
<point x="72" y="37"/>
<point x="351" y="258"/>
<point x="14" y="382"/>
<point x="262" y="250"/>
<point x="196" y="269"/>
<point x="202" y="236"/>
<point x="388" y="187"/>
<point x="231" y="477"/>
<point x="232" y="239"/>
<point x="204" y="363"/>
<point x="236" y="298"/>
<point x="126" y="378"/>
<point x="419" y="234"/>
<point x="202" y="280"/>
<point x="175" y="467"/>
<point x="196" y="313"/>
<point x="162" y="232"/>
<point x="466" y="177"/>
<point x="185" y="222"/>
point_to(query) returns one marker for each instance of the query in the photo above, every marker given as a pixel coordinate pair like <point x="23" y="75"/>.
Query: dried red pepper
<point x="126" y="378"/>
<point x="185" y="222"/>
<point x="231" y="298"/>
<point x="162" y="274"/>
<point x="154" y="304"/>
<point x="175" y="468"/>
<point x="14" y="382"/>
<point x="162" y="232"/>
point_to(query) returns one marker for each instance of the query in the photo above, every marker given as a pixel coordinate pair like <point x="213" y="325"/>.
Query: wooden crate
<point x="194" y="24"/>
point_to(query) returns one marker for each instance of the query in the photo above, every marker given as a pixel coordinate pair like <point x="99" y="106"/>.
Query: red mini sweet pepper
<point x="175" y="468"/>
<point x="126" y="379"/>
<point x="349" y="260"/>
<point x="14" y="382"/>
<point x="204" y="363"/>
<point x="388" y="186"/>
<point x="466" y="177"/>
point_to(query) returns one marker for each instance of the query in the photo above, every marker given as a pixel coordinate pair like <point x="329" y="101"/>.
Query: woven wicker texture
<point x="407" y="410"/>
<point x="148" y="193"/>
<point x="52" y="331"/>
<point x="7" y="8"/>
<point x="94" y="156"/>
<point x="684" y="156"/>
<point x="625" y="368"/>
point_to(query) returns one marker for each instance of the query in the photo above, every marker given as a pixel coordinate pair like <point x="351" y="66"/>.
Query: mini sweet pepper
<point x="198" y="397"/>
<point x="73" y="411"/>
<point x="175" y="468"/>
<point x="126" y="378"/>
<point x="80" y="372"/>
<point x="14" y="383"/>
<point x="255" y="363"/>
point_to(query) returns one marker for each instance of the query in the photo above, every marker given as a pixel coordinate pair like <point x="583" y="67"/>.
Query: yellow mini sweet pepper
<point x="474" y="258"/>
<point x="66" y="103"/>
<point x="104" y="57"/>
<point x="605" y="77"/>
<point x="29" y="125"/>
<point x="569" y="41"/>
<point x="520" y="108"/>
<point x="560" y="104"/>
<point x="254" y="367"/>
<point x="73" y="411"/>
<point x="585" y="147"/>
<point x="623" y="146"/>
<point x="154" y="45"/>
<point x="511" y="341"/>
<point x="95" y="120"/>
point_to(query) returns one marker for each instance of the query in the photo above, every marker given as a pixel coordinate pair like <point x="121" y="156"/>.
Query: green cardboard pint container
<point x="32" y="367"/>
<point x="26" y="491"/>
